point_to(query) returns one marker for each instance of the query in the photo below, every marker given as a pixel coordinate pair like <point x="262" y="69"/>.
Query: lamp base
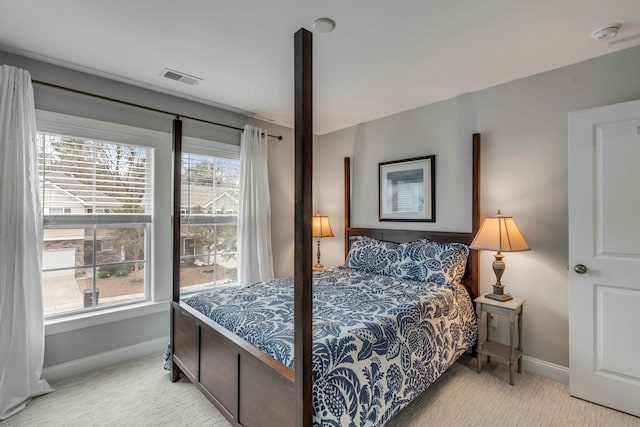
<point x="497" y="297"/>
<point x="318" y="266"/>
<point x="498" y="293"/>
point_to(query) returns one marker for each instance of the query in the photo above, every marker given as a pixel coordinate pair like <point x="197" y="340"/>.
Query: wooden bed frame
<point x="250" y="388"/>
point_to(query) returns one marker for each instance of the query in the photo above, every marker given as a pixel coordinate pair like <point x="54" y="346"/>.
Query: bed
<point x="352" y="369"/>
<point x="378" y="341"/>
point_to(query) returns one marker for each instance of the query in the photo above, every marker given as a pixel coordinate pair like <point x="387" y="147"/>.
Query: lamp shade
<point x="320" y="226"/>
<point x="499" y="233"/>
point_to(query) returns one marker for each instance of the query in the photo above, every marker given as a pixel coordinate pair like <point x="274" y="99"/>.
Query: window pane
<point x="199" y="241"/>
<point x="61" y="290"/>
<point x="119" y="256"/>
<point x="209" y="255"/>
<point x="210" y="185"/>
<point x="82" y="176"/>
<point x="66" y="248"/>
<point x="194" y="277"/>
<point x="197" y="260"/>
<point x="118" y="283"/>
<point x="226" y="254"/>
<point x="227" y="268"/>
<point x="119" y="244"/>
<point x="209" y="210"/>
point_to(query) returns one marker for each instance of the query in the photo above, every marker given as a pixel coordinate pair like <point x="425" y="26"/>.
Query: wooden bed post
<point x="475" y="214"/>
<point x="474" y="256"/>
<point x="177" y="184"/>
<point x="347" y="203"/>
<point x="303" y="248"/>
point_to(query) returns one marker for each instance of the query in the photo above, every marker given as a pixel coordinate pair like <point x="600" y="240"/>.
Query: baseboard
<point x="546" y="369"/>
<point x="102" y="360"/>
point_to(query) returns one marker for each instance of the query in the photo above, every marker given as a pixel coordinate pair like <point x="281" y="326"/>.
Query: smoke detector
<point x="608" y="32"/>
<point x="180" y="76"/>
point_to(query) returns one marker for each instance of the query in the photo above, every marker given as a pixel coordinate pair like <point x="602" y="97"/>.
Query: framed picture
<point x="407" y="190"/>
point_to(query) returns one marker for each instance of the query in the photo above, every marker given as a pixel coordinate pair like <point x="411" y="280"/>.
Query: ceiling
<point x="384" y="56"/>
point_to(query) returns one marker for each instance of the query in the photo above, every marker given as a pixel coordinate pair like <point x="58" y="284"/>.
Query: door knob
<point x="580" y="268"/>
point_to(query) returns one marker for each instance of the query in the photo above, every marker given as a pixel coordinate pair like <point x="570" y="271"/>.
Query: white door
<point x="604" y="237"/>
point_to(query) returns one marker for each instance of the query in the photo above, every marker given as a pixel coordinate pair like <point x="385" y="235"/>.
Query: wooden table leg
<point x="511" y="374"/>
<point x="520" y="339"/>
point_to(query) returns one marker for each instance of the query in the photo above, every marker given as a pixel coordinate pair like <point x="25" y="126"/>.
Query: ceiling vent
<point x="180" y="77"/>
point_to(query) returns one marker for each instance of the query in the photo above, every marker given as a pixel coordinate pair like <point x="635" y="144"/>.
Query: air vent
<point x="180" y="77"/>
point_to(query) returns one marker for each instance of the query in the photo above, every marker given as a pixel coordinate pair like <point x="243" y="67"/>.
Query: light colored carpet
<point x="136" y="393"/>
<point x="139" y="393"/>
<point x="462" y="397"/>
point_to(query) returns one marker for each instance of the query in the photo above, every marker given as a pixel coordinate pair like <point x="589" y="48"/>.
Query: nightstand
<point x="511" y="354"/>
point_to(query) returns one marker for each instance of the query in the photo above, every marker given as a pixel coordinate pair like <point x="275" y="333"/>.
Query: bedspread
<point x="378" y="341"/>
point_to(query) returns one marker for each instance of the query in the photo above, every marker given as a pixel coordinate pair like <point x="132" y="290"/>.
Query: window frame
<point x="91" y="221"/>
<point x="156" y="294"/>
<point x="161" y="288"/>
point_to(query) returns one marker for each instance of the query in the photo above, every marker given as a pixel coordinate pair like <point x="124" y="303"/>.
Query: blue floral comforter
<point x="378" y="341"/>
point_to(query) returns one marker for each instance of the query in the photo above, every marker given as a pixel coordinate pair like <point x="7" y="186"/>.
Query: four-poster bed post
<point x="176" y="150"/>
<point x="303" y="247"/>
<point x="347" y="202"/>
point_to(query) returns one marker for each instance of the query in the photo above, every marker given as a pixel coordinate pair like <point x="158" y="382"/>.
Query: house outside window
<point x="97" y="203"/>
<point x="209" y="216"/>
<point x="56" y="210"/>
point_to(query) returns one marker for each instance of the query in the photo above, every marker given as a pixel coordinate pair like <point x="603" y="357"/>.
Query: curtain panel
<point x="21" y="312"/>
<point x="255" y="259"/>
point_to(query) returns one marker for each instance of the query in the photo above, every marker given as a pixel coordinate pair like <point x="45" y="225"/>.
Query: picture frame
<point x="407" y="190"/>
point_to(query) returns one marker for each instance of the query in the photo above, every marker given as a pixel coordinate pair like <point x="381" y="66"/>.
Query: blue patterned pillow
<point x="372" y="256"/>
<point x="430" y="261"/>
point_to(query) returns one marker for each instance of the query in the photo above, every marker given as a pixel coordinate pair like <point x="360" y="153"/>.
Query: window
<point x="97" y="200"/>
<point x="105" y="245"/>
<point x="56" y="210"/>
<point x="209" y="216"/>
<point x="97" y="210"/>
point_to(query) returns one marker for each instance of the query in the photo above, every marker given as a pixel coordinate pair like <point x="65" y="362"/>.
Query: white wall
<point x="524" y="173"/>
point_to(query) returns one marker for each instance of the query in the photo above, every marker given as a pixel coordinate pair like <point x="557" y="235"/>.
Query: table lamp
<point x="499" y="233"/>
<point x="320" y="228"/>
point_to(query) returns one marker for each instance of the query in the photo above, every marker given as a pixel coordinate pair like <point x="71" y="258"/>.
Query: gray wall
<point x="51" y="99"/>
<point x="281" y="188"/>
<point x="68" y="346"/>
<point x="524" y="131"/>
<point x="524" y="173"/>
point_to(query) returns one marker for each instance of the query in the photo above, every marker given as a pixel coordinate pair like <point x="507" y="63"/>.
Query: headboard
<point x="471" y="277"/>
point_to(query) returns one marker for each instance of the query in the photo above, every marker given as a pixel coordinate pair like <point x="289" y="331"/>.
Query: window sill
<point x="110" y="315"/>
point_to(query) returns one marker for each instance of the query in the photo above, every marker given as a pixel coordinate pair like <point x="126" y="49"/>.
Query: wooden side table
<point x="511" y="354"/>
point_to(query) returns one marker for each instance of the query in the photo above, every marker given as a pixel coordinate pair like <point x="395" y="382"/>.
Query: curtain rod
<point x="144" y="107"/>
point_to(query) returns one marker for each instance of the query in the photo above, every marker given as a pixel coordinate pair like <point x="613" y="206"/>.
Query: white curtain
<point x="255" y="260"/>
<point x="21" y="316"/>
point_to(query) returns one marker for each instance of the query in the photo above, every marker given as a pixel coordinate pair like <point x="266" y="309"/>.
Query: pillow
<point x="372" y="256"/>
<point x="430" y="261"/>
